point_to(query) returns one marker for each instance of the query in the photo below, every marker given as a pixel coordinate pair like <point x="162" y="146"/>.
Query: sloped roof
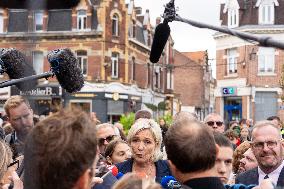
<point x="197" y="56"/>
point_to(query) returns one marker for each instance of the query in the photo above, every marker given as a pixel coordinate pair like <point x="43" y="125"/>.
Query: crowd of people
<point x="71" y="149"/>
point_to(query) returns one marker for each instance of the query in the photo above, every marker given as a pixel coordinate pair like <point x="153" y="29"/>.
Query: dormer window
<point x="38" y="21"/>
<point x="266" y="11"/>
<point x="82" y="20"/>
<point x="232" y="9"/>
<point x="266" y="14"/>
<point x="233" y="18"/>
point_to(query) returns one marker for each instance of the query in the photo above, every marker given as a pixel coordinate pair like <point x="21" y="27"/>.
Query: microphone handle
<point x="32" y="77"/>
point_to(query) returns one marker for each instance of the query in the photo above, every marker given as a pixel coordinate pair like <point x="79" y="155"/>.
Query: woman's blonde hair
<point x="142" y="124"/>
<point x="6" y="157"/>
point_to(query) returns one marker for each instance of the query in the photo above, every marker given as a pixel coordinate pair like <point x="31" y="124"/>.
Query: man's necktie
<point x="266" y="177"/>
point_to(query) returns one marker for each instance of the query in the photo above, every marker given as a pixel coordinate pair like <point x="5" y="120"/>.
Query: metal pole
<point x="28" y="78"/>
<point x="263" y="40"/>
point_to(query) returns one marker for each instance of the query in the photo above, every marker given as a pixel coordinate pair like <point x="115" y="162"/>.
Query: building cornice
<point x="49" y="35"/>
<point x="254" y="29"/>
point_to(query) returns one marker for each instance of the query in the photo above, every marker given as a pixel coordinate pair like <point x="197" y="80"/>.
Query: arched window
<point x="83" y="61"/>
<point x="115" y="25"/>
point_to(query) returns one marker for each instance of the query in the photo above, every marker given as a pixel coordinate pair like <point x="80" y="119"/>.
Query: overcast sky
<point x="186" y="37"/>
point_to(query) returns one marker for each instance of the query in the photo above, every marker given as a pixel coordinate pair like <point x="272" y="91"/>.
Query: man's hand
<point x="96" y="180"/>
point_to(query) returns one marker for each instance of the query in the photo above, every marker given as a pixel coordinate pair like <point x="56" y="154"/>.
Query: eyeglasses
<point x="13" y="163"/>
<point x="260" y="145"/>
<point x="211" y="123"/>
<point x="108" y="139"/>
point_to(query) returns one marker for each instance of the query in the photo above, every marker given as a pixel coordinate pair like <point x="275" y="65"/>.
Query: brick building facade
<point x="193" y="80"/>
<point x="248" y="76"/>
<point x="112" y="42"/>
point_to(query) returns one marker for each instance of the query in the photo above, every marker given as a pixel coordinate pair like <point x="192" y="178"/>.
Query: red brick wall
<point x="188" y="81"/>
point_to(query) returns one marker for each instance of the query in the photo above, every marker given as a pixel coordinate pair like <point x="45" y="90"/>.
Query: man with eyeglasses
<point x="267" y="147"/>
<point x="106" y="132"/>
<point x="215" y="122"/>
<point x="20" y="115"/>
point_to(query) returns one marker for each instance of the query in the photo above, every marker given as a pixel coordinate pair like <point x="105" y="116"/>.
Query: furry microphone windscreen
<point x="16" y="66"/>
<point x="38" y="4"/>
<point x="161" y="35"/>
<point x="67" y="70"/>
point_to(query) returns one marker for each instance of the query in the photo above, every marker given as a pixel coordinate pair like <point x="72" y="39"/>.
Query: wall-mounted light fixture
<point x="252" y="54"/>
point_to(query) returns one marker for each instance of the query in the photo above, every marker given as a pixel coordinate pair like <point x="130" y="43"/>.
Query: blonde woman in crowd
<point x="145" y="138"/>
<point x="7" y="170"/>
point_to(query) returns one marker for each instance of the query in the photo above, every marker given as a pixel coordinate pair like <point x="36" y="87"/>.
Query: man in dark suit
<point x="192" y="152"/>
<point x="268" y="150"/>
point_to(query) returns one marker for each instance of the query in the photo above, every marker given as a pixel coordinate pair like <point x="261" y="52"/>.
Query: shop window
<point x="83" y="61"/>
<point x="38" y="21"/>
<point x="38" y="61"/>
<point x="82" y="20"/>
<point x="82" y="104"/>
<point x="231" y="61"/>
<point x="115" y="25"/>
<point x="266" y="60"/>
<point x="114" y="65"/>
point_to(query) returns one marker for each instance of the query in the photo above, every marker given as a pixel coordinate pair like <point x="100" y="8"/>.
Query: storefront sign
<point x="85" y="95"/>
<point x="229" y="91"/>
<point x="5" y="93"/>
<point x="39" y="91"/>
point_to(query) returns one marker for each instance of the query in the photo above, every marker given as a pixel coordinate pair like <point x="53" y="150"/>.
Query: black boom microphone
<point x="161" y="35"/>
<point x="14" y="63"/>
<point x="66" y="68"/>
<point x="38" y="4"/>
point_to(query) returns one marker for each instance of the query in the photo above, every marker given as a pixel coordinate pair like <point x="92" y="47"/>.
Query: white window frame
<point x="1" y="21"/>
<point x="114" y="65"/>
<point x="38" y="61"/>
<point x="232" y="58"/>
<point x="170" y="79"/>
<point x="83" y="61"/>
<point x="233" y="17"/>
<point x="38" y="21"/>
<point x="266" y="60"/>
<point x="81" y="20"/>
<point x="266" y="13"/>
<point x="115" y="25"/>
